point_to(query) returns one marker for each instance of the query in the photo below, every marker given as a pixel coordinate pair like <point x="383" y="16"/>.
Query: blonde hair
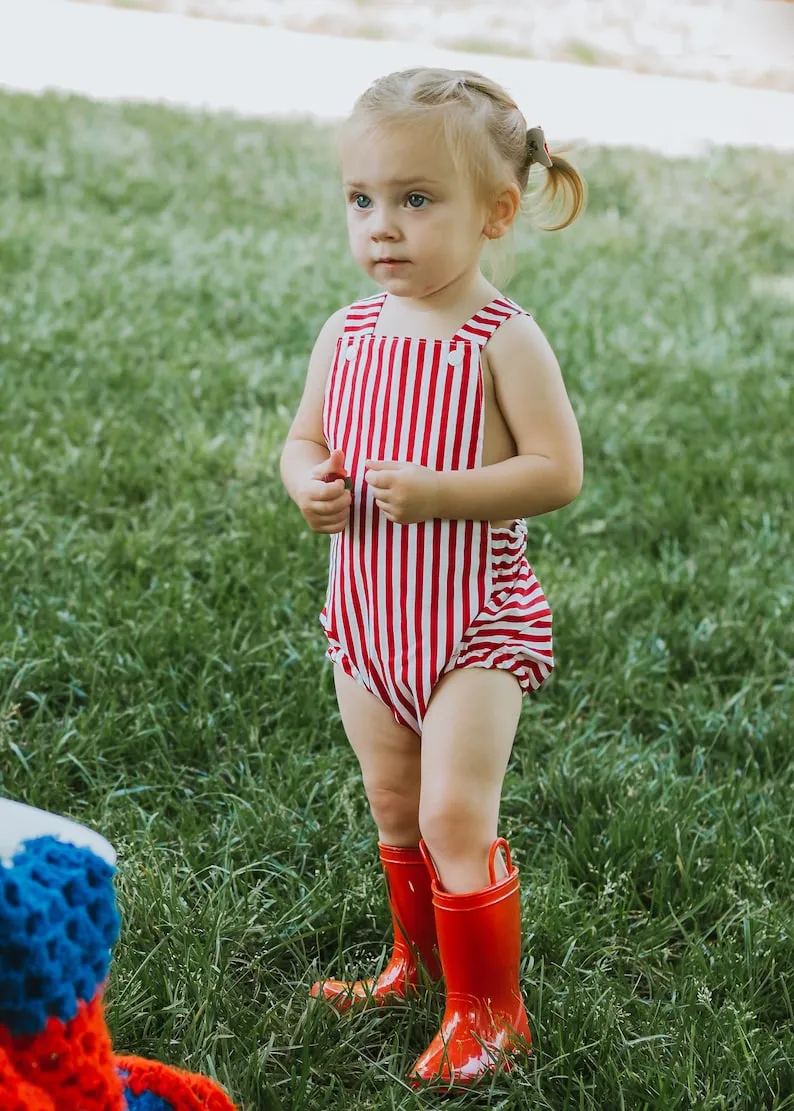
<point x="483" y="126"/>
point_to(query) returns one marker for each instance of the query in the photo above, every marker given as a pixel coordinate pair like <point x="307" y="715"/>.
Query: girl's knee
<point x="395" y="812"/>
<point x="454" y="829"/>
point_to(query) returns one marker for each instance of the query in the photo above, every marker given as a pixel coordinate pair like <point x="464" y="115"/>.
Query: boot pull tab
<point x="430" y="863"/>
<point x="500" y="842"/>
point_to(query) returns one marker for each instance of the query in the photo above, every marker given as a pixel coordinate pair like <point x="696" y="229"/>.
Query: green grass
<point x="162" y="278"/>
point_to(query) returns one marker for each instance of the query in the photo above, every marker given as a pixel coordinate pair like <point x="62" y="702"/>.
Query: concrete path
<point x="121" y="54"/>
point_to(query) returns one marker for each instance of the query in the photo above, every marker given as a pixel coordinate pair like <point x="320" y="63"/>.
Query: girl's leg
<point x="467" y="737"/>
<point x="390" y="766"/>
<point x="390" y="758"/>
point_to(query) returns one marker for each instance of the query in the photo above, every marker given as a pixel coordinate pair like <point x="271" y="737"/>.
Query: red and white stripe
<point x="406" y="603"/>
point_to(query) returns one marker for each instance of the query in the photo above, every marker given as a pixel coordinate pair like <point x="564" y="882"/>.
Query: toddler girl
<point x="434" y="420"/>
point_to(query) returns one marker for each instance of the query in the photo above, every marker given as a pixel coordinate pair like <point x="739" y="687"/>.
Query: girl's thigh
<point x="388" y="753"/>
<point x="467" y="738"/>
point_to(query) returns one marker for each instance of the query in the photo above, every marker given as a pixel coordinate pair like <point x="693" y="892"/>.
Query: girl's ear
<point x="502" y="212"/>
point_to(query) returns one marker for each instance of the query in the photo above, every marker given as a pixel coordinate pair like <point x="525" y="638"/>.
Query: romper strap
<point x="362" y="316"/>
<point x="484" y="323"/>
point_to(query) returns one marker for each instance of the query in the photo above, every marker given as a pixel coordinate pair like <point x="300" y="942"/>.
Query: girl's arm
<point x="305" y="446"/>
<point x="547" y="471"/>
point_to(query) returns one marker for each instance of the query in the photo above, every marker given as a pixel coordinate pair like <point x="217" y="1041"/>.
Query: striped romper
<point x="408" y="603"/>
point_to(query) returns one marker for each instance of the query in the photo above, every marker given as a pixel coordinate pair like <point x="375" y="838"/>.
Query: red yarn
<point x="185" y="1091"/>
<point x="70" y="1067"/>
<point x="16" y="1094"/>
<point x="71" y="1062"/>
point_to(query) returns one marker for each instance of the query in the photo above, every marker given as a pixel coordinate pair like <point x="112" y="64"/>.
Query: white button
<point x="456" y="355"/>
<point x="351" y="350"/>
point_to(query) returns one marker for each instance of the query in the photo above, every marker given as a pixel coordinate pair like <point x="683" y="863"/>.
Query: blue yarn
<point x="58" y="924"/>
<point x="146" y="1101"/>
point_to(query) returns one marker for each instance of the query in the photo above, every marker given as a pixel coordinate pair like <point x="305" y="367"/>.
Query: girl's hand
<point x="405" y="492"/>
<point x="325" y="501"/>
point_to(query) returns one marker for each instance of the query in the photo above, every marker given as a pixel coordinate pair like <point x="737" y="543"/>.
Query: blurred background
<point x="746" y="41"/>
<point x="587" y="70"/>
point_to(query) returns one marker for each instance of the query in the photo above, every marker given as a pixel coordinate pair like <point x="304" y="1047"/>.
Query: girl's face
<point x="414" y="224"/>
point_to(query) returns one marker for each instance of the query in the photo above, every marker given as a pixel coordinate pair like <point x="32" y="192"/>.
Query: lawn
<point x="162" y="278"/>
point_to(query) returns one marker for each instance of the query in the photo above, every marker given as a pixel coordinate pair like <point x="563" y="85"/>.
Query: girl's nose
<point x="384" y="227"/>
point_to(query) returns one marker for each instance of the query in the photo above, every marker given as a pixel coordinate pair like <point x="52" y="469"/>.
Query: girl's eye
<point x="360" y="201"/>
<point x="416" y="200"/>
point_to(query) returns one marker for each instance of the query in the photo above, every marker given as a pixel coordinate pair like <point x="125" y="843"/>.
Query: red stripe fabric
<point x="405" y="604"/>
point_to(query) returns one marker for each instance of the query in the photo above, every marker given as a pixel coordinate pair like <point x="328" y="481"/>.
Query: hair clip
<point x="536" y="145"/>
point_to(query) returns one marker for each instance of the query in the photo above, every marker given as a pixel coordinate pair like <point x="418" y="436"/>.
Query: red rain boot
<point x="411" y="904"/>
<point x="479" y="939"/>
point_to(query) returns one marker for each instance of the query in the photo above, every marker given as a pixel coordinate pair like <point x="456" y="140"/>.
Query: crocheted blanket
<point x="58" y="926"/>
